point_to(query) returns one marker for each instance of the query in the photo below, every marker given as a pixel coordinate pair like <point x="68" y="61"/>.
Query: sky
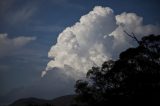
<point x="29" y="28"/>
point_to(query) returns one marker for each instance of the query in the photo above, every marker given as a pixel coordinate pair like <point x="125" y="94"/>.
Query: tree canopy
<point x="132" y="79"/>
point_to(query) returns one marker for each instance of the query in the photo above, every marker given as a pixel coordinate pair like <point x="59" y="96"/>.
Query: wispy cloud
<point x="15" y="12"/>
<point x="8" y="45"/>
<point x="23" y="14"/>
<point x="67" y="3"/>
<point x="48" y="28"/>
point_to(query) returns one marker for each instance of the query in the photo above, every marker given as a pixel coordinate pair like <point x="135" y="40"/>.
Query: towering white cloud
<point x="8" y="45"/>
<point x="97" y="37"/>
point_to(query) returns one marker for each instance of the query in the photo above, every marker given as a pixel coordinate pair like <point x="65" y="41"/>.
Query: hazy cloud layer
<point x="55" y="84"/>
<point x="8" y="45"/>
<point x="97" y="37"/>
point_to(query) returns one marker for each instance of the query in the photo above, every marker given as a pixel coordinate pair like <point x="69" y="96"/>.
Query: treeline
<point x="133" y="79"/>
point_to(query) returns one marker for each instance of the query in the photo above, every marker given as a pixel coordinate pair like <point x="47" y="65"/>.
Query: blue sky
<point x="40" y="22"/>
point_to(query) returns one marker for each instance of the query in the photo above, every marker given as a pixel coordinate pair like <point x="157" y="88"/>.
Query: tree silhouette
<point x="133" y="79"/>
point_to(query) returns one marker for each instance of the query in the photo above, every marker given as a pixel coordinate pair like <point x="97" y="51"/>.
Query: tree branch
<point x="132" y="36"/>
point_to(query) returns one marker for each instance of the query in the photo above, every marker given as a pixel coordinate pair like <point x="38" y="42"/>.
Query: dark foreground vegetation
<point x="134" y="79"/>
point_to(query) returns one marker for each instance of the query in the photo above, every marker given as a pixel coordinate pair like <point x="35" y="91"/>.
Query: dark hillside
<point x="60" y="101"/>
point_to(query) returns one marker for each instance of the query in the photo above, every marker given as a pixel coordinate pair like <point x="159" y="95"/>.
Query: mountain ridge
<point x="66" y="100"/>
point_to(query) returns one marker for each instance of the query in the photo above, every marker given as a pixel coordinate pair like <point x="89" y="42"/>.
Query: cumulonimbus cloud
<point x="97" y="37"/>
<point x="8" y="45"/>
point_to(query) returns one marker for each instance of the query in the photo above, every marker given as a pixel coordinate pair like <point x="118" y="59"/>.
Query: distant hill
<point x="60" y="101"/>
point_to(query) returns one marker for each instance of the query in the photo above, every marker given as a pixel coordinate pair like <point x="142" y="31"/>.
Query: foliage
<point x="133" y="79"/>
